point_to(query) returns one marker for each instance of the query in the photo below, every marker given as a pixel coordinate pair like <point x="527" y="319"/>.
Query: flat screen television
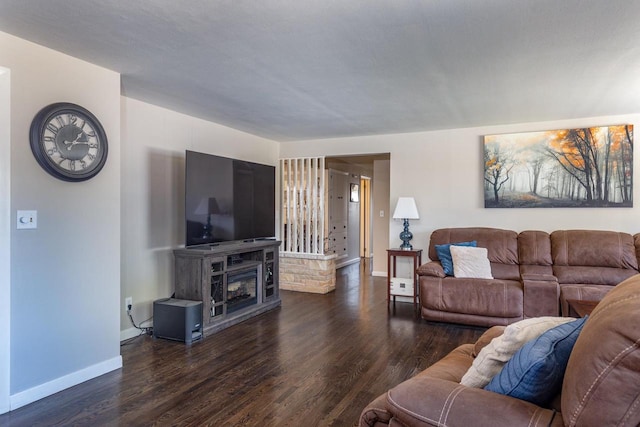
<point x="227" y="199"/>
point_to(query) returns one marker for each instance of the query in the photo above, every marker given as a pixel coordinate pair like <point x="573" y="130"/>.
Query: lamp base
<point x="206" y="229"/>
<point x="406" y="237"/>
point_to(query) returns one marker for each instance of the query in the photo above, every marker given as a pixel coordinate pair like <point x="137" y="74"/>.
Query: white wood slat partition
<point x="303" y="199"/>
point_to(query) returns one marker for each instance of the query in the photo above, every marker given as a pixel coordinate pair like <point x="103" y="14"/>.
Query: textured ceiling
<point x="306" y="69"/>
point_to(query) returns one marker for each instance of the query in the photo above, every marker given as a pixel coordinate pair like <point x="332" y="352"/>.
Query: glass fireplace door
<point x="242" y="289"/>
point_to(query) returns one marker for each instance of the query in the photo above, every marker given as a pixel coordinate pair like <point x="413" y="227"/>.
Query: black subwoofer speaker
<point x="177" y="319"/>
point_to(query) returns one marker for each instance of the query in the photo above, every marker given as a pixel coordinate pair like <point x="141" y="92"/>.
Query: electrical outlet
<point x="128" y="302"/>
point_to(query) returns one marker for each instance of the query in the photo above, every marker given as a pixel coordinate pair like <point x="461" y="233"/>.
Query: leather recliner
<point x="601" y="385"/>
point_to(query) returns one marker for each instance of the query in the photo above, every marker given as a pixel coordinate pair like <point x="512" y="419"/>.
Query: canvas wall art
<point x="586" y="167"/>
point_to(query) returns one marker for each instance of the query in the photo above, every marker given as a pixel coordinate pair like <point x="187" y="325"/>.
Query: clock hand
<point x="70" y="144"/>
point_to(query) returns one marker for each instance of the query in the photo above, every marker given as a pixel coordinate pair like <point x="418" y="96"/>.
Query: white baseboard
<point x="129" y="333"/>
<point x="347" y="262"/>
<point x="379" y="273"/>
<point x="23" y="398"/>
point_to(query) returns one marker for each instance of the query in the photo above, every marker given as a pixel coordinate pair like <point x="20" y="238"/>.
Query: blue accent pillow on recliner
<point x="536" y="371"/>
<point x="444" y="255"/>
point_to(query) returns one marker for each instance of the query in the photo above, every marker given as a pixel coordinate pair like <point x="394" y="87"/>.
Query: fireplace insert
<point x="242" y="290"/>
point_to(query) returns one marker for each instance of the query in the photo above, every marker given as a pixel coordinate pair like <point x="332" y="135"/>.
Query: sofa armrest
<point x="541" y="295"/>
<point x="376" y="413"/>
<point x="486" y="338"/>
<point x="540" y="277"/>
<point x="435" y="402"/>
<point x="431" y="268"/>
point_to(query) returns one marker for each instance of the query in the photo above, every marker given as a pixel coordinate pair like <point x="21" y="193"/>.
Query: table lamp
<point x="208" y="206"/>
<point x="406" y="209"/>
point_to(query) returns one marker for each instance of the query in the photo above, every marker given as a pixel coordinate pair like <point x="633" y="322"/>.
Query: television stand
<point x="235" y="281"/>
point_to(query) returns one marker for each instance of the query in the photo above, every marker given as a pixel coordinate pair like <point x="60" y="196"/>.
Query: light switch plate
<point x="27" y="219"/>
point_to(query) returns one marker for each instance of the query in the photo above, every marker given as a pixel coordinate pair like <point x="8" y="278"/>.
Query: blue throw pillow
<point x="536" y="371"/>
<point x="444" y="255"/>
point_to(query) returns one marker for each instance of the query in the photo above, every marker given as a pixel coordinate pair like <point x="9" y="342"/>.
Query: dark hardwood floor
<point x="316" y="361"/>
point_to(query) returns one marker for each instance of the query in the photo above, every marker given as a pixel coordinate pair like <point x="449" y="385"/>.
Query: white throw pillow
<point x="494" y="355"/>
<point x="470" y="262"/>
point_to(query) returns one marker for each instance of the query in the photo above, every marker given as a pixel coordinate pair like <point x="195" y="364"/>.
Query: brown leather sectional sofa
<point x="535" y="273"/>
<point x="601" y="385"/>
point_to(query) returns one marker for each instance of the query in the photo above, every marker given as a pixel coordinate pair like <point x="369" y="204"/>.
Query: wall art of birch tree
<point x="585" y="167"/>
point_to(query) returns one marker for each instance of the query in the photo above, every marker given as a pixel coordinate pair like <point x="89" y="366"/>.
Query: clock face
<point x="68" y="142"/>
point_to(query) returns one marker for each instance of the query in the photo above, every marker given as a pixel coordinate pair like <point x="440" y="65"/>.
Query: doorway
<point x="372" y="217"/>
<point x="365" y="217"/>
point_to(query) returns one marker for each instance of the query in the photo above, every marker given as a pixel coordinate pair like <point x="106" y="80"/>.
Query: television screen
<point x="227" y="199"/>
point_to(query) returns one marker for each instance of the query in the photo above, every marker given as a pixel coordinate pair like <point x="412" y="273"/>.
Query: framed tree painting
<point x="586" y="167"/>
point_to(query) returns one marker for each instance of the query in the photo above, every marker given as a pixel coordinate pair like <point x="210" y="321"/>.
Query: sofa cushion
<point x="593" y="248"/>
<point x="482" y="297"/>
<point x="534" y="248"/>
<point x="502" y="246"/>
<point x="492" y="357"/>
<point x="470" y="262"/>
<point x="444" y="255"/>
<point x="535" y="372"/>
<point x="429" y="402"/>
<point x="602" y="381"/>
<point x="636" y="242"/>
<point x="591" y="275"/>
<point x="505" y="271"/>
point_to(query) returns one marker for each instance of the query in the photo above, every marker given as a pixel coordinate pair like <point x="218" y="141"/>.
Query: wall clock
<point x="68" y="142"/>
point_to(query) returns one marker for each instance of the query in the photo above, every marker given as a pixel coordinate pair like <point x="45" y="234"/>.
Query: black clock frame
<point x="36" y="137"/>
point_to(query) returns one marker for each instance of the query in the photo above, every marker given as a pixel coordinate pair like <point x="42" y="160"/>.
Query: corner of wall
<point x="5" y="241"/>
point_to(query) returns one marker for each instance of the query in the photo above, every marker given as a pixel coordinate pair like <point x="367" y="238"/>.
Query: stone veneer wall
<point x="307" y="273"/>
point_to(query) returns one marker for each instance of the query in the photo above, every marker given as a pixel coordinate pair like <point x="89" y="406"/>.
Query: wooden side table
<point x="416" y="256"/>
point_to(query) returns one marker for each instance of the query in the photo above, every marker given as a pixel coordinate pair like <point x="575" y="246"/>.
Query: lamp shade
<point x="207" y="206"/>
<point x="406" y="209"/>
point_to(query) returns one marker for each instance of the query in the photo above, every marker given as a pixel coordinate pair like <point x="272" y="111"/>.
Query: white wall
<point x="155" y="140"/>
<point x="65" y="275"/>
<point x="443" y="170"/>
<point x="5" y="241"/>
